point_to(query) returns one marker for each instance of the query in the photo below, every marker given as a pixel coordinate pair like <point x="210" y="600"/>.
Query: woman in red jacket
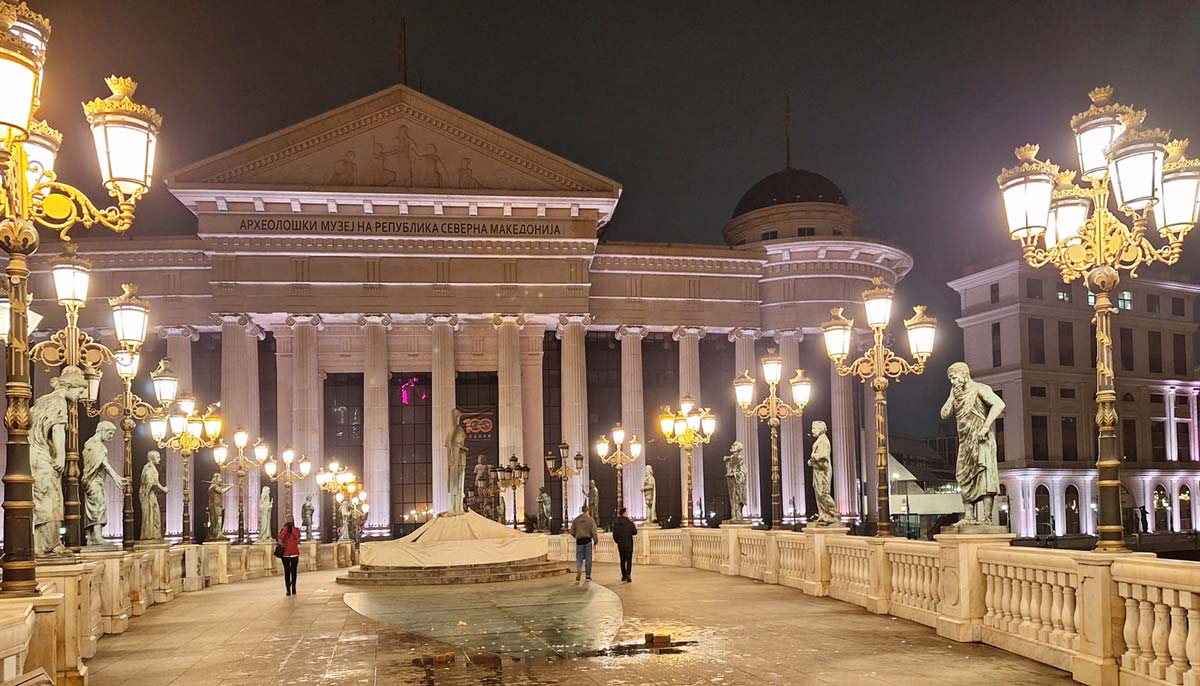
<point x="289" y="538"/>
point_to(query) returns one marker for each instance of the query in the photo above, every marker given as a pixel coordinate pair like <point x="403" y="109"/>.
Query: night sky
<point x="910" y="107"/>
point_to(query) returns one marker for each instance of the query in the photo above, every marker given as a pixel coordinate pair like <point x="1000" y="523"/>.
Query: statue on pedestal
<point x="48" y="455"/>
<point x="975" y="407"/>
<point x="96" y="472"/>
<point x="151" y="508"/>
<point x="591" y="496"/>
<point x="456" y="455"/>
<point x="347" y="513"/>
<point x="481" y="480"/>
<point x="544" y="504"/>
<point x="735" y="481"/>
<point x="650" y="493"/>
<point x="266" y="524"/>
<point x="822" y="470"/>
<point x="217" y="488"/>
<point x="306" y="515"/>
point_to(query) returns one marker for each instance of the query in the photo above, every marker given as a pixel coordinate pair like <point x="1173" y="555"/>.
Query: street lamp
<point x="71" y="346"/>
<point x="688" y="428"/>
<point x="878" y="364"/>
<point x="1073" y="229"/>
<point x="773" y="410"/>
<point x="614" y="454"/>
<point x="287" y="476"/>
<point x="179" y="426"/>
<point x="512" y="477"/>
<point x="336" y="478"/>
<point x="241" y="466"/>
<point x="564" y="472"/>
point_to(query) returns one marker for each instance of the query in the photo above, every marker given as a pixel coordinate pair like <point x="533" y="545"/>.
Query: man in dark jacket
<point x="623" y="531"/>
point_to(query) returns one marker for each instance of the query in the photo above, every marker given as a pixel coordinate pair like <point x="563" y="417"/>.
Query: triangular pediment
<point x="395" y="140"/>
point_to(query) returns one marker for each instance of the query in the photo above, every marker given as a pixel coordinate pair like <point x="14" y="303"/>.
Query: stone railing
<point x="1120" y="620"/>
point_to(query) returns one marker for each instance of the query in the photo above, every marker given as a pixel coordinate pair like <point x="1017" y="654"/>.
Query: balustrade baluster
<point x="1158" y="636"/>
<point x="1130" y="632"/>
<point x="1048" y="616"/>
<point x="1145" y="630"/>
<point x="1070" y="616"/>
<point x="1026" y="606"/>
<point x="1192" y="645"/>
<point x="1057" y="610"/>
<point x="1006" y="597"/>
<point x="1176" y="641"/>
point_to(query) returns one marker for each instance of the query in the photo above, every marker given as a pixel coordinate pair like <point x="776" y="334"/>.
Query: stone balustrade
<point x="916" y="582"/>
<point x="1161" y="629"/>
<point x="1030" y="603"/>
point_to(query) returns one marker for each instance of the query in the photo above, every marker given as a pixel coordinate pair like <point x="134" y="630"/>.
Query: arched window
<point x="1041" y="505"/>
<point x="1127" y="398"/>
<point x="1162" y="509"/>
<point x="1185" y="509"/>
<point x="1073" y="510"/>
<point x="1002" y="518"/>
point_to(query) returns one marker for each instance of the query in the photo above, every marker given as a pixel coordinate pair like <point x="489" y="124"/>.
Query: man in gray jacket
<point x="583" y="530"/>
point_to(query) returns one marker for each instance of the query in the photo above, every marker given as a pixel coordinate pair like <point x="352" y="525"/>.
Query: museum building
<point x="356" y="276"/>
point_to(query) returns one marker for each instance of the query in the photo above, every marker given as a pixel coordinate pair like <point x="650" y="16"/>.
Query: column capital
<point x="788" y="333"/>
<point x="372" y="319"/>
<point x="179" y="331"/>
<point x="500" y="319"/>
<point x="296" y="319"/>
<point x="565" y="320"/>
<point x="638" y="330"/>
<point x="681" y="332"/>
<point x="231" y="318"/>
<point x="449" y="319"/>
<point x="743" y="332"/>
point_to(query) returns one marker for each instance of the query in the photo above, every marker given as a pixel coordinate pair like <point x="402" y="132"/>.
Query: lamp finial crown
<point x="1101" y="95"/>
<point x="121" y="86"/>
<point x="1027" y="152"/>
<point x="1065" y="179"/>
<point x="1176" y="149"/>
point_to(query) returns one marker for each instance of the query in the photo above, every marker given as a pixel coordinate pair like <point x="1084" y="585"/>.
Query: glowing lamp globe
<point x="578" y="462"/>
<point x="72" y="275"/>
<point x="801" y="388"/>
<point x="241" y="438"/>
<point x="602" y="447"/>
<point x="681" y="426"/>
<point x="288" y="455"/>
<point x="178" y="423"/>
<point x="1177" y="209"/>
<point x="618" y="435"/>
<point x="187" y="403"/>
<point x="878" y="303"/>
<point x="166" y="383"/>
<point x="921" y="331"/>
<point x="126" y="362"/>
<point x="635" y="447"/>
<point x="772" y="366"/>
<point x="261" y="452"/>
<point x="271" y="467"/>
<point x="686" y="404"/>
<point x="220" y="454"/>
<point x="1026" y="191"/>
<point x="158" y="428"/>
<point x="41" y="150"/>
<point x="20" y="72"/>
<point x="1096" y="129"/>
<point x="212" y="425"/>
<point x="551" y="461"/>
<point x="838" y="333"/>
<point x="1069" y="211"/>
<point x="305" y="466"/>
<point x="1135" y="168"/>
<point x="743" y="389"/>
<point x="125" y="134"/>
<point x="195" y="428"/>
<point x="708" y="424"/>
<point x="131" y="315"/>
<point x="666" y="423"/>
<point x="92" y="376"/>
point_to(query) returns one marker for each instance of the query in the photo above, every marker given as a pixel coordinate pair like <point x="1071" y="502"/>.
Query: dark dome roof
<point x="789" y="186"/>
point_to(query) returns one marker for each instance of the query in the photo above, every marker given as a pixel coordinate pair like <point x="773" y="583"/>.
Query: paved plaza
<point x="735" y="632"/>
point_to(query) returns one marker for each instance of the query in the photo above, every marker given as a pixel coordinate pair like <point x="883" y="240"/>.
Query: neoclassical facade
<point x="356" y="276"/>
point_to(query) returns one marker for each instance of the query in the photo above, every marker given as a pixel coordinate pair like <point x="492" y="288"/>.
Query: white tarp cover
<point x="451" y="540"/>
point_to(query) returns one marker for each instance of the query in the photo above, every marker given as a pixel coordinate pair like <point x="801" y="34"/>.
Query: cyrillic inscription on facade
<point x="460" y="227"/>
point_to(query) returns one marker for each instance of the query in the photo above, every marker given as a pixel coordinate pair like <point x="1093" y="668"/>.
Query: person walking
<point x="623" y="531"/>
<point x="289" y="538"/>
<point x="583" y="529"/>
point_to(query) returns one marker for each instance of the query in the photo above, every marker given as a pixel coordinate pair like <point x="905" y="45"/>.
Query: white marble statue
<point x="347" y="513"/>
<point x="591" y="496"/>
<point x="151" y="508"/>
<point x="650" y="493"/>
<point x="975" y="407"/>
<point x="266" y="524"/>
<point x="306" y="515"/>
<point x="735" y="481"/>
<point x="47" y="457"/>
<point x="456" y="454"/>
<point x="481" y="479"/>
<point x="543" y="502"/>
<point x="97" y="470"/>
<point x="217" y="488"/>
<point x="822" y="469"/>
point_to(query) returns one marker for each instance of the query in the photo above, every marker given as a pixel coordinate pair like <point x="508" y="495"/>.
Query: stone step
<point x="416" y="573"/>
<point x="532" y="561"/>
<point x="358" y="577"/>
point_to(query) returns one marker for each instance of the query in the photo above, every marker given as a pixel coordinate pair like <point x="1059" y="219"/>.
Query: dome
<point x="789" y="186"/>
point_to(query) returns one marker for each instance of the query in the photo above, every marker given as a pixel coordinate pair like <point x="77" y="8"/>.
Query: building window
<point x="1066" y="393"/>
<point x="1183" y="441"/>
<point x="1152" y="305"/>
<point x="1185" y="508"/>
<point x="994" y="293"/>
<point x="1033" y="289"/>
<point x="770" y="235"/>
<point x="1070" y="440"/>
<point x="1127" y="398"/>
<point x="806" y="231"/>
<point x="1129" y="439"/>
<point x="1125" y="300"/>
<point x="1037" y="391"/>
<point x="410" y="405"/>
<point x="838" y="232"/>
<point x="1156" y="356"/>
<point x="996" y="361"/>
<point x="1179" y="353"/>
<point x="1041" y="436"/>
<point x="1072" y="507"/>
<point x="1177" y="307"/>
<point x="1091" y="299"/>
<point x="1127" y="350"/>
<point x="1041" y="505"/>
<point x="1156" y="398"/>
<point x="1037" y="341"/>
<point x="1158" y="440"/>
<point x="1066" y="344"/>
<point x="1064" y="292"/>
<point x="999" y="439"/>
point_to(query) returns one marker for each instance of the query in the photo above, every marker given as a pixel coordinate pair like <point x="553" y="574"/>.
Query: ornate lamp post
<point x="877" y="365"/>
<point x="131" y="409"/>
<point x="773" y="410"/>
<point x="618" y="458"/>
<point x="286" y="476"/>
<point x="124" y="134"/>
<point x="564" y="472"/>
<point x="1072" y="228"/>
<point x="336" y="478"/>
<point x="688" y="428"/>
<point x="513" y="477"/>
<point x="184" y="429"/>
<point x="241" y="466"/>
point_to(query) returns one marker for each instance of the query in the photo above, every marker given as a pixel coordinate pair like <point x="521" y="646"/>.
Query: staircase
<point x="532" y="568"/>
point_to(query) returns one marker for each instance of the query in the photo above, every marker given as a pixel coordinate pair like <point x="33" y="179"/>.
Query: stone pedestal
<point x="193" y="567"/>
<point x="327" y="555"/>
<point x="156" y="571"/>
<point x="344" y="554"/>
<point x="79" y="624"/>
<point x="46" y="646"/>
<point x="733" y="549"/>
<point x="141" y="586"/>
<point x="116" y="569"/>
<point x="16" y="631"/>
<point x="260" y="560"/>
<point x="960" y="612"/>
<point x="1096" y="661"/>
<point x="237" y="562"/>
<point x="308" y="556"/>
<point x="216" y="562"/>
<point x="817" y="573"/>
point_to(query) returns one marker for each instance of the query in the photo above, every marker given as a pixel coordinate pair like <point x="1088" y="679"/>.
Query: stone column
<point x="111" y="387"/>
<point x="791" y="431"/>
<point x="442" y="328"/>
<point x="867" y="458"/>
<point x="283" y="414"/>
<point x="1195" y="431"/>
<point x="377" y="467"/>
<point x="254" y="480"/>
<point x="571" y="330"/>
<point x="306" y="408"/>
<point x="1172" y="443"/>
<point x="746" y="428"/>
<point x="179" y="349"/>
<point x="1058" y="505"/>
<point x="532" y="426"/>
<point x="842" y="434"/>
<point x="633" y="416"/>
<point x="508" y="376"/>
<point x="689" y="385"/>
<point x="235" y="401"/>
